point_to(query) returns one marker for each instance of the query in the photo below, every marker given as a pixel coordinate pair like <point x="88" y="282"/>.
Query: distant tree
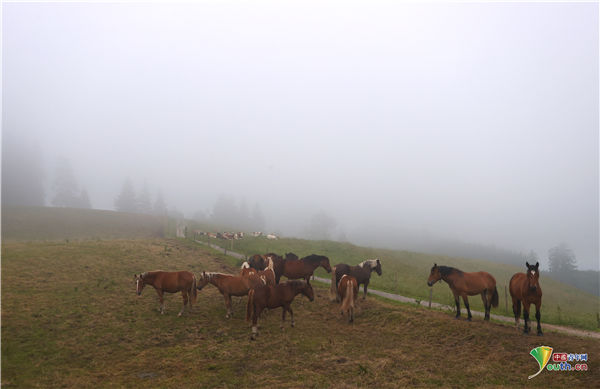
<point x="562" y="259"/>
<point x="321" y="225"/>
<point x="84" y="200"/>
<point x="66" y="189"/>
<point x="257" y="220"/>
<point x="160" y="207"/>
<point x="144" y="204"/>
<point x="126" y="201"/>
<point x="225" y="212"/>
<point x="22" y="172"/>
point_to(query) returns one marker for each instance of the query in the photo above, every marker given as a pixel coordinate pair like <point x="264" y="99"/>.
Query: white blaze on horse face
<point x="532" y="272"/>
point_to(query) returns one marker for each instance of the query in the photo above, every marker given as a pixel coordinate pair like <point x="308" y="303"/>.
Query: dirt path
<point x="397" y="297"/>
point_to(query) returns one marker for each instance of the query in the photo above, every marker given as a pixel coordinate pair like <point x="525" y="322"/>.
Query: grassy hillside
<point x="70" y="318"/>
<point x="46" y="223"/>
<point x="406" y="273"/>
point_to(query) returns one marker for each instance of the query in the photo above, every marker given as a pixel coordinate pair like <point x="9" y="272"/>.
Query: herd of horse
<point x="259" y="279"/>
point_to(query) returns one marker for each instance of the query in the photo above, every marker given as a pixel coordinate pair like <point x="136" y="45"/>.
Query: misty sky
<point x="468" y="121"/>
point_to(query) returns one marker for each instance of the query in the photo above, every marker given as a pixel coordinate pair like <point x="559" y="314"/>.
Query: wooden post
<point x="430" y="294"/>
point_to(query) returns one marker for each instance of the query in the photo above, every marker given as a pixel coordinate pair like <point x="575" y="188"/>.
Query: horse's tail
<point x="333" y="289"/>
<point x="194" y="292"/>
<point x="250" y="305"/>
<point x="348" y="300"/>
<point x="495" y="297"/>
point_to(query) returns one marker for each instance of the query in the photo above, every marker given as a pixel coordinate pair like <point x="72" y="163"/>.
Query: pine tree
<point x="126" y="201"/>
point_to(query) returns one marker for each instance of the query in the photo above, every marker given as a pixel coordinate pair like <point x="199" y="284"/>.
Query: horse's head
<point x="202" y="281"/>
<point x="377" y="267"/>
<point x="307" y="290"/>
<point x="434" y="275"/>
<point x="139" y="283"/>
<point x="533" y="276"/>
<point x="325" y="263"/>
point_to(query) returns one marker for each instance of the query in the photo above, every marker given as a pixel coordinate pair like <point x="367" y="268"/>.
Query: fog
<point x="405" y="123"/>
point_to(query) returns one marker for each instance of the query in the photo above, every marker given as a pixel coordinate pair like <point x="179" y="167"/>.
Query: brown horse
<point x="267" y="275"/>
<point x="170" y="282"/>
<point x="348" y="291"/>
<point x="260" y="262"/>
<point x="362" y="273"/>
<point x="525" y="287"/>
<point x="230" y="285"/>
<point x="280" y="295"/>
<point x="304" y="268"/>
<point x="467" y="284"/>
<point x="246" y="270"/>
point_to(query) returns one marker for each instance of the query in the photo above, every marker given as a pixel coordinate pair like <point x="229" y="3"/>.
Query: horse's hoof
<point x="179" y="314"/>
<point x="540" y="333"/>
<point x="292" y="324"/>
<point x="468" y="319"/>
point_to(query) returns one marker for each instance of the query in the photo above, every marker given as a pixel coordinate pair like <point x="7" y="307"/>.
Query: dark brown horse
<point x="230" y="285"/>
<point x="525" y="288"/>
<point x="467" y="284"/>
<point x="303" y="268"/>
<point x="170" y="282"/>
<point x="280" y="295"/>
<point x="362" y="273"/>
<point x="348" y="291"/>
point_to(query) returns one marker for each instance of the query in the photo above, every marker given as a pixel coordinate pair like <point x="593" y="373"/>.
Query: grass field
<point x="406" y="273"/>
<point x="70" y="318"/>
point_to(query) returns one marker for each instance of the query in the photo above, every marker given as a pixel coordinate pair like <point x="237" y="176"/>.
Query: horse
<point x="267" y="275"/>
<point x="258" y="262"/>
<point x="280" y="295"/>
<point x="304" y="267"/>
<point x="525" y="287"/>
<point x="230" y="285"/>
<point x="348" y="291"/>
<point x="170" y="282"/>
<point x="467" y="284"/>
<point x="247" y="270"/>
<point x="362" y="273"/>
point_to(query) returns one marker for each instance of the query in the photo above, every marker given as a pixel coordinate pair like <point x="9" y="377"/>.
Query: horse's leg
<point x="526" y="317"/>
<point x="291" y="314"/>
<point x="228" y="305"/>
<point x="466" y="301"/>
<point x="537" y="317"/>
<point x="457" y="301"/>
<point x="517" y="311"/>
<point x="283" y="310"/>
<point x="365" y="289"/>
<point x="185" y="301"/>
<point x="162" y="301"/>
<point x="255" y="315"/>
<point x="486" y="305"/>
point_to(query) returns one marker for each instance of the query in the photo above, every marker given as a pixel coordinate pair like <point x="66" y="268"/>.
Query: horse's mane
<point x="372" y="263"/>
<point x="447" y="270"/>
<point x="314" y="258"/>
